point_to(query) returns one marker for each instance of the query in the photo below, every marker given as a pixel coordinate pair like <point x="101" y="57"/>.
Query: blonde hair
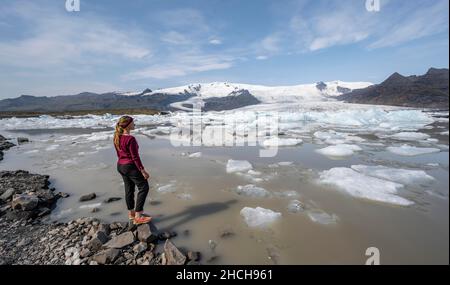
<point x="121" y="125"/>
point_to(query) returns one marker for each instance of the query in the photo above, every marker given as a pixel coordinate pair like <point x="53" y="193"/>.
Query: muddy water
<point x="206" y="205"/>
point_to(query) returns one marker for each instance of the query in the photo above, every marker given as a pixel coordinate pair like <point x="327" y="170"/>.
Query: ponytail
<point x="121" y="125"/>
<point x="117" y="134"/>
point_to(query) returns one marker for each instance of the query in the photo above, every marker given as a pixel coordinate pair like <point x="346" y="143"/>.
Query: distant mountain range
<point x="430" y="90"/>
<point x="216" y="96"/>
<point x="426" y="91"/>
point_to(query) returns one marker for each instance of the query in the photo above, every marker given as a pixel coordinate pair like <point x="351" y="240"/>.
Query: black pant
<point x="133" y="177"/>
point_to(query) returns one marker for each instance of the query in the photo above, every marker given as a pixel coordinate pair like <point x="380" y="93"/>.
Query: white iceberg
<point x="407" y="150"/>
<point x="359" y="185"/>
<point x="295" y="206"/>
<point x="279" y="142"/>
<point x="238" y="166"/>
<point x="259" y="217"/>
<point x="169" y="188"/>
<point x="410" y="136"/>
<point x="195" y="155"/>
<point x="90" y="206"/>
<point x="340" y="150"/>
<point x="251" y="190"/>
<point x="320" y="217"/>
<point x="403" y="176"/>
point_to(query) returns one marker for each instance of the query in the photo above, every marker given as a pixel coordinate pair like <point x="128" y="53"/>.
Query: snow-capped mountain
<point x="268" y="94"/>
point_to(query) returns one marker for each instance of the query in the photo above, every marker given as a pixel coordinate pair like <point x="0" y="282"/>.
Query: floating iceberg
<point x="90" y="206"/>
<point x="403" y="176"/>
<point x="169" y="188"/>
<point x="279" y="142"/>
<point x="340" y="150"/>
<point x="362" y="186"/>
<point x="320" y="217"/>
<point x="295" y="206"/>
<point x="407" y="150"/>
<point x="252" y="191"/>
<point x="238" y="166"/>
<point x="410" y="136"/>
<point x="259" y="217"/>
<point x="195" y="155"/>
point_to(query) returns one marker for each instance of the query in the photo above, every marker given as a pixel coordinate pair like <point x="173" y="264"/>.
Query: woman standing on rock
<point x="129" y="165"/>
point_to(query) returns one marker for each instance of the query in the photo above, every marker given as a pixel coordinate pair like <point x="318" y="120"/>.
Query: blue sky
<point x="117" y="45"/>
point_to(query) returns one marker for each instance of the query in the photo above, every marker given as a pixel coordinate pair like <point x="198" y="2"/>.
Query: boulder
<point x="97" y="241"/>
<point x="121" y="240"/>
<point x="106" y="256"/>
<point x="25" y="202"/>
<point x="112" y="199"/>
<point x="173" y="255"/>
<point x="22" y="140"/>
<point x="7" y="194"/>
<point x="146" y="233"/>
<point x="88" y="197"/>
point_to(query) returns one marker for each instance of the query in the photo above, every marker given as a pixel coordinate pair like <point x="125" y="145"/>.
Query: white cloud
<point x="426" y="20"/>
<point x="182" y="65"/>
<point x="261" y="57"/>
<point x="176" y="38"/>
<point x="62" y="41"/>
<point x="215" y="41"/>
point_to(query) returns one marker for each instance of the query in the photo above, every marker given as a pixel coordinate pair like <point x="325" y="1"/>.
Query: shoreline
<point x="26" y="239"/>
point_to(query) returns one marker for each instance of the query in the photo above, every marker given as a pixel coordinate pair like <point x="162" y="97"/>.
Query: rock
<point x="140" y="248"/>
<point x="24" y="202"/>
<point x="104" y="228"/>
<point x="21" y="140"/>
<point x="192" y="262"/>
<point x="95" y="210"/>
<point x="173" y="255"/>
<point x="145" y="233"/>
<point x="63" y="195"/>
<point x="106" y="256"/>
<point x="226" y="233"/>
<point x="97" y="241"/>
<point x="7" y="194"/>
<point x="44" y="211"/>
<point x="85" y="252"/>
<point x="112" y="199"/>
<point x="93" y="262"/>
<point x="193" y="255"/>
<point x="212" y="244"/>
<point x="121" y="240"/>
<point x="24" y="242"/>
<point x="88" y="197"/>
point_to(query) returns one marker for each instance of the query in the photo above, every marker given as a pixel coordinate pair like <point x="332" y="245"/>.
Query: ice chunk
<point x="340" y="150"/>
<point x="238" y="166"/>
<point x="319" y="216"/>
<point x="259" y="217"/>
<point x="410" y="136"/>
<point x="363" y="186"/>
<point x="252" y="191"/>
<point x="254" y="172"/>
<point x="287" y="194"/>
<point x="407" y="150"/>
<point x="295" y="206"/>
<point x="285" y="163"/>
<point x="403" y="176"/>
<point x="184" y="196"/>
<point x="169" y="188"/>
<point x="195" y="155"/>
<point x="444" y="133"/>
<point x="277" y="142"/>
<point x="52" y="147"/>
<point x="90" y="206"/>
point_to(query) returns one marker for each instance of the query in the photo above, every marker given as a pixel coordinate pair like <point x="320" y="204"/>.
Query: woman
<point x="129" y="165"/>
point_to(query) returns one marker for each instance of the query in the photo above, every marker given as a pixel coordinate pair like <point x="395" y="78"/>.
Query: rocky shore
<point x="27" y="237"/>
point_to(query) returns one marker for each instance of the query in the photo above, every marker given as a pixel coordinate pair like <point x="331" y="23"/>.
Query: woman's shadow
<point x="194" y="212"/>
